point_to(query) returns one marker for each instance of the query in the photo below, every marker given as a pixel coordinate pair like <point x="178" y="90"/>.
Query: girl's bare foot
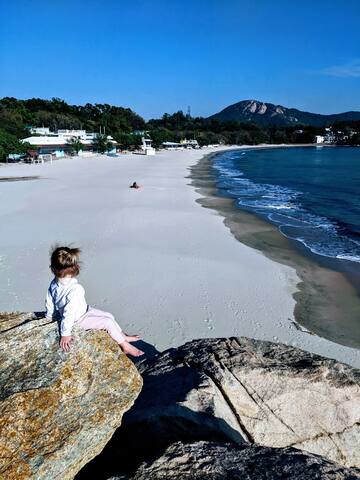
<point x="132" y="338"/>
<point x="130" y="349"/>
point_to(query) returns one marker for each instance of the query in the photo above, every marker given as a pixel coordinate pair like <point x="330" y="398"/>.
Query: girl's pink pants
<point x="95" y="319"/>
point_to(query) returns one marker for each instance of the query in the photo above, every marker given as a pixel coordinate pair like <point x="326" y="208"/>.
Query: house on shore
<point x="189" y="143"/>
<point x="337" y="137"/>
<point x="172" y="146"/>
<point x="57" y="144"/>
<point x="183" y="144"/>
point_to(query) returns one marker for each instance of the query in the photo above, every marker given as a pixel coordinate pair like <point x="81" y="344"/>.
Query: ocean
<point x="311" y="194"/>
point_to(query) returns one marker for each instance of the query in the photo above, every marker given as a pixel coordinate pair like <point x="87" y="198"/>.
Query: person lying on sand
<point x="65" y="300"/>
<point x="135" y="185"/>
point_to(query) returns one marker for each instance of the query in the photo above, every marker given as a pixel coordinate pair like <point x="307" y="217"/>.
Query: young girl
<point x="65" y="300"/>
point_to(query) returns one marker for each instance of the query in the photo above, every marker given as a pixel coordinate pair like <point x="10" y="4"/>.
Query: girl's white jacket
<point x="65" y="300"/>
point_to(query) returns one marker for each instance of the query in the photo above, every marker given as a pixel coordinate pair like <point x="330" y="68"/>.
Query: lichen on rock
<point x="58" y="410"/>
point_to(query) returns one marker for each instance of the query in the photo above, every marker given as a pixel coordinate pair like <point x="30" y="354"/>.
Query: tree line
<point x="17" y="115"/>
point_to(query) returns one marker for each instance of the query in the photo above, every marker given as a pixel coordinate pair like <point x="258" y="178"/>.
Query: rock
<point x="58" y="410"/>
<point x="219" y="461"/>
<point x="244" y="390"/>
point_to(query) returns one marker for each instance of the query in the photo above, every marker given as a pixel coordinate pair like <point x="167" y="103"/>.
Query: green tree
<point x="279" y="136"/>
<point x="75" y="145"/>
<point x="128" y="141"/>
<point x="355" y="139"/>
<point x="101" y="143"/>
<point x="207" y="138"/>
<point x="10" y="144"/>
<point x="161" y="135"/>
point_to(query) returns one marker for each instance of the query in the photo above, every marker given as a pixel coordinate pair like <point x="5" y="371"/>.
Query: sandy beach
<point x="166" y="267"/>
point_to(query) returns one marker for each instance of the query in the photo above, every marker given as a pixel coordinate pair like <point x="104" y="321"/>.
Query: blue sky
<point x="158" y="56"/>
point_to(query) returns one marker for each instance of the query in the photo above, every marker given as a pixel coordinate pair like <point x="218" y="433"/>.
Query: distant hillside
<point x="16" y="115"/>
<point x="266" y="114"/>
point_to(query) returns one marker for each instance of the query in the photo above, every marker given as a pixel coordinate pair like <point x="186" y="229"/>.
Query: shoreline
<point x="161" y="263"/>
<point x="325" y="299"/>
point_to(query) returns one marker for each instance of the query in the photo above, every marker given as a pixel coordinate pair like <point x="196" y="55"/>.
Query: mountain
<point x="266" y="114"/>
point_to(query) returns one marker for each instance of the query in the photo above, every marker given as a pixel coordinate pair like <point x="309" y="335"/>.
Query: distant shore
<point x="166" y="267"/>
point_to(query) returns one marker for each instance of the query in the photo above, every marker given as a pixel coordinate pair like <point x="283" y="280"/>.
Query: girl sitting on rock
<point x="65" y="301"/>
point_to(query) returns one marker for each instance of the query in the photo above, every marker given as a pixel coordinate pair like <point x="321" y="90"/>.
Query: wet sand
<point x="17" y="179"/>
<point x="327" y="303"/>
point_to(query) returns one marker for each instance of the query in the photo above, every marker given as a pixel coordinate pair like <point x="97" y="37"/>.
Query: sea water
<point x="312" y="194"/>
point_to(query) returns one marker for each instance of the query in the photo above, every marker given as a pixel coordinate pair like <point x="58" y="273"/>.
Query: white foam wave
<point x="351" y="258"/>
<point x="278" y="207"/>
<point x="318" y="233"/>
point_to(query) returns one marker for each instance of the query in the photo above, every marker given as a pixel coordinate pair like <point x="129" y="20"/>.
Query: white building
<point x="57" y="143"/>
<point x="40" y="130"/>
<point x="146" y="142"/>
<point x="189" y="143"/>
<point x="181" y="145"/>
<point x="73" y="133"/>
<point x="172" y="146"/>
<point x="147" y="147"/>
<point x="319" y="139"/>
<point x="330" y="137"/>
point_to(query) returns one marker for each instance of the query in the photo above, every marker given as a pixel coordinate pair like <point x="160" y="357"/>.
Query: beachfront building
<point x="183" y="144"/>
<point x="57" y="143"/>
<point x="330" y="137"/>
<point x="189" y="143"/>
<point x="172" y="146"/>
<point x="39" y="130"/>
<point x="146" y="142"/>
<point x="319" y="139"/>
<point x="147" y="147"/>
<point x="337" y="137"/>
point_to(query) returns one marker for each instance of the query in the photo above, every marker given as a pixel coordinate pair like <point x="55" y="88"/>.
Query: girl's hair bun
<point x="65" y="261"/>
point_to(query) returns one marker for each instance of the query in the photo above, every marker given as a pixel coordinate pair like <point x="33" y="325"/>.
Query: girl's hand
<point x="65" y="343"/>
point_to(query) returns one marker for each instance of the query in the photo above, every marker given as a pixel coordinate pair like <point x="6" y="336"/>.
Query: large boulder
<point x="244" y="390"/>
<point x="58" y="410"/>
<point x="219" y="461"/>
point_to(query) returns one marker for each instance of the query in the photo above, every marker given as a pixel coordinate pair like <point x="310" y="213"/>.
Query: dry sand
<point x="163" y="265"/>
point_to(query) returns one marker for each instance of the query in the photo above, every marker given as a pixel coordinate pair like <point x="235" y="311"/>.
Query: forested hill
<point x="267" y="114"/>
<point x="16" y="115"/>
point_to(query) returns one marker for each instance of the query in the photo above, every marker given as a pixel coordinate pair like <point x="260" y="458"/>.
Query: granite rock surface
<point x="219" y="461"/>
<point x="248" y="391"/>
<point x="58" y="410"/>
